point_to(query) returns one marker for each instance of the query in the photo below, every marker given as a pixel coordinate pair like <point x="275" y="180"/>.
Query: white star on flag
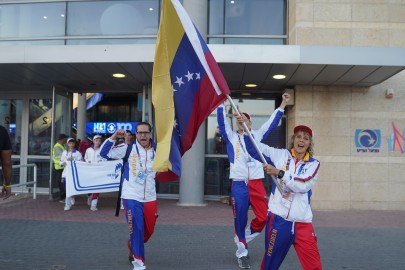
<point x="189" y="75"/>
<point x="179" y="81"/>
<point x="174" y="90"/>
<point x="197" y="76"/>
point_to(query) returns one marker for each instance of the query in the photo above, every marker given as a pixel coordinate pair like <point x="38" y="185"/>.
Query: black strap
<point x="124" y="161"/>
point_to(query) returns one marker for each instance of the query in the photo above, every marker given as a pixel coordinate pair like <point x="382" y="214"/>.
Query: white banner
<point x="85" y="178"/>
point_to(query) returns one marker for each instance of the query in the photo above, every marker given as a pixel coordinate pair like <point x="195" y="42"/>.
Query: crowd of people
<point x="285" y="213"/>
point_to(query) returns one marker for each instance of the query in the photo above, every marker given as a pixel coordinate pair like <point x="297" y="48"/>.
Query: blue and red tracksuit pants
<point x="141" y="219"/>
<point x="244" y="194"/>
<point x="281" y="234"/>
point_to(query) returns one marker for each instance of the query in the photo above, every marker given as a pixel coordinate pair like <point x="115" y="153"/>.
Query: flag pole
<point x="254" y="143"/>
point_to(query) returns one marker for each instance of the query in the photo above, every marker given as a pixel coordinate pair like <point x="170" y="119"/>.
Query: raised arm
<point x="223" y="124"/>
<point x="109" y="151"/>
<point x="264" y="131"/>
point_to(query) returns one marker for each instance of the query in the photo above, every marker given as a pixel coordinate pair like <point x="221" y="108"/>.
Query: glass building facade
<point x="28" y="23"/>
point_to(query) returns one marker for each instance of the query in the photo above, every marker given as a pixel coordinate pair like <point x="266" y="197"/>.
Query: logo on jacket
<point x="367" y="140"/>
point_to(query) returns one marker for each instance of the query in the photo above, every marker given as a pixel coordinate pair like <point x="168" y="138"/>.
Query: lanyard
<point x="139" y="156"/>
<point x="241" y="145"/>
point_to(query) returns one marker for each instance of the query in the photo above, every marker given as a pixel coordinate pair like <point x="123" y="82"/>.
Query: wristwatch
<point x="280" y="174"/>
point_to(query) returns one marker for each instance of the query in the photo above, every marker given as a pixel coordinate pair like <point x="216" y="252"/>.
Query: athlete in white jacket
<point x="247" y="174"/>
<point x="67" y="155"/>
<point x="138" y="187"/>
<point x="289" y="221"/>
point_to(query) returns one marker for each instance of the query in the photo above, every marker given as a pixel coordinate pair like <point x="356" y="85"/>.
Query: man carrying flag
<point x="187" y="86"/>
<point x="247" y="174"/>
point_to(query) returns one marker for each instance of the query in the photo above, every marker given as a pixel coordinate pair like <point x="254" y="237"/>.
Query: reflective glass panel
<point x="32" y="20"/>
<point x="247" y="17"/>
<point x="43" y="172"/>
<point x="113" y="18"/>
<point x="10" y="117"/>
<point x="40" y="127"/>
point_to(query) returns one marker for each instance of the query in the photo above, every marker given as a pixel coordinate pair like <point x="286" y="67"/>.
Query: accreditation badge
<point x="140" y="178"/>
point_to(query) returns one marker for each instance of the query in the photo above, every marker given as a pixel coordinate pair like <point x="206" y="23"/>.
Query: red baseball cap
<point x="303" y="128"/>
<point x="247" y="115"/>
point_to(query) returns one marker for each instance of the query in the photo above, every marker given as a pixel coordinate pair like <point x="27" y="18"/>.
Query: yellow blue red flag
<point x="187" y="85"/>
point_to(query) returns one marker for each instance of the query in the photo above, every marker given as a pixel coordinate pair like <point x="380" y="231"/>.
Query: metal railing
<point x="34" y="192"/>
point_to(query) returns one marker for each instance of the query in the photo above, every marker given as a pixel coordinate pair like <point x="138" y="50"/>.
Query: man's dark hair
<point x="145" y="124"/>
<point x="128" y="131"/>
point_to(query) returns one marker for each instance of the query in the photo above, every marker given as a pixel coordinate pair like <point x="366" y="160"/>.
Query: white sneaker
<point x="72" y="201"/>
<point x="67" y="208"/>
<point x="94" y="205"/>
<point x="138" y="265"/>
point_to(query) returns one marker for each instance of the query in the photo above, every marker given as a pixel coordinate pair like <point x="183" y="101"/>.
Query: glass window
<point x="10" y="117"/>
<point x="43" y="172"/>
<point x="86" y="41"/>
<point x="32" y="20"/>
<point x="247" y="17"/>
<point x="40" y="127"/>
<point x="113" y="18"/>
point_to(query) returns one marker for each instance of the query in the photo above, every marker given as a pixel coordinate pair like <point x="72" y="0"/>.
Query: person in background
<point x="6" y="164"/>
<point x="92" y="155"/>
<point x="289" y="220"/>
<point x="129" y="138"/>
<point x="57" y="169"/>
<point x="70" y="154"/>
<point x="247" y="174"/>
<point x="138" y="187"/>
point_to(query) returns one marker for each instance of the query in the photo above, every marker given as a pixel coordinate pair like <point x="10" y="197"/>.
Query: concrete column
<point x="193" y="162"/>
<point x="81" y="116"/>
<point x="192" y="177"/>
<point x="198" y="12"/>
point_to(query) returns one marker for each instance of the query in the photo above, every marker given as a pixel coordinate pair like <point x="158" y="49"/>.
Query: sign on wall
<point x="367" y="140"/>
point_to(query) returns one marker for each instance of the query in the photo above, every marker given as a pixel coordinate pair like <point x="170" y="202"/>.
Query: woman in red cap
<point x="289" y="221"/>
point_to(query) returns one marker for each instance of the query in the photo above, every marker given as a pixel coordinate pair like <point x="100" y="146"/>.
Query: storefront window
<point x="10" y="117"/>
<point x="40" y="127"/>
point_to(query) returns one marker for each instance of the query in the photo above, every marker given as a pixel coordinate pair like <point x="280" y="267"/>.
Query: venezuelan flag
<point x="187" y="85"/>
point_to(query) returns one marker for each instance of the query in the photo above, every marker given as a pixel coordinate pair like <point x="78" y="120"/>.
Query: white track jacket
<point x="236" y="149"/>
<point x="299" y="178"/>
<point x="139" y="179"/>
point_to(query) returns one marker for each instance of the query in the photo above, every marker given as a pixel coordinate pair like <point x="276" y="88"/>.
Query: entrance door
<point x="61" y="123"/>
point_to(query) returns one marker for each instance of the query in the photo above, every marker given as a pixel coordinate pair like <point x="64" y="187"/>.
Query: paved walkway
<point x="39" y="235"/>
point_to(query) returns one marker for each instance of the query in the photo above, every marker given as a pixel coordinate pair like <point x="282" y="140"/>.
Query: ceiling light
<point x="279" y="76"/>
<point x="62" y="15"/>
<point x="118" y="75"/>
<point x="45" y="17"/>
<point x="150" y="9"/>
<point x="232" y="2"/>
<point x="246" y="94"/>
<point x="251" y="85"/>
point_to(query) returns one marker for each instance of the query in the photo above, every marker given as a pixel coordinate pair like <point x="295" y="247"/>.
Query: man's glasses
<point x="143" y="133"/>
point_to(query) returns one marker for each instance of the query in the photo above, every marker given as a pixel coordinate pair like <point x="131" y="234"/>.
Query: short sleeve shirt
<point x="5" y="143"/>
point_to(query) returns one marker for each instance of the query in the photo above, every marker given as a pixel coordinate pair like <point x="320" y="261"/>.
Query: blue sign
<point x="109" y="127"/>
<point x="367" y="140"/>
